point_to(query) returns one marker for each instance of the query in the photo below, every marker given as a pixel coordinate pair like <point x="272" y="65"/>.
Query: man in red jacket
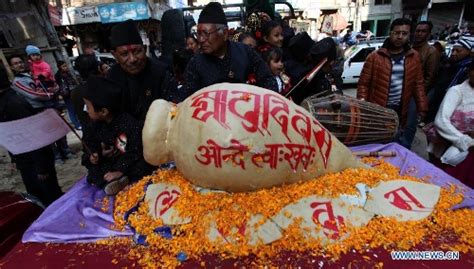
<point x="393" y="74"/>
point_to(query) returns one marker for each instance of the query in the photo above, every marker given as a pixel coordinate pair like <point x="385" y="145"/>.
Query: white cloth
<point x="453" y="156"/>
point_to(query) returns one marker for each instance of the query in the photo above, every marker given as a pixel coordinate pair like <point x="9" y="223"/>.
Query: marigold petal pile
<point x="232" y="210"/>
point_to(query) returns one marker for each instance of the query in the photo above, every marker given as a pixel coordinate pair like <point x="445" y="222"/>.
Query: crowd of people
<point x="419" y="86"/>
<point x="110" y="104"/>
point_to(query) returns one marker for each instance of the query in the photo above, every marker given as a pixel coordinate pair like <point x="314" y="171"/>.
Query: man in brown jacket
<point x="428" y="54"/>
<point x="393" y="74"/>
<point x="430" y="61"/>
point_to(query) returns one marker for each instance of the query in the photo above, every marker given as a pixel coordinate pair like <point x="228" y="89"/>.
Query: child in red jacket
<point x="40" y="69"/>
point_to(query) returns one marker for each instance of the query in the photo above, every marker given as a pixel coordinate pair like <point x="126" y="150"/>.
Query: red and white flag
<point x="32" y="133"/>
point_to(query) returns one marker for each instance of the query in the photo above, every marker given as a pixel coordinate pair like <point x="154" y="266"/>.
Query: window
<point x="383" y="27"/>
<point x="383" y="2"/>
<point x="362" y="55"/>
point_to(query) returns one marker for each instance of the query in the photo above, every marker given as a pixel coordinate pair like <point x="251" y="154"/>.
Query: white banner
<point x="31" y="133"/>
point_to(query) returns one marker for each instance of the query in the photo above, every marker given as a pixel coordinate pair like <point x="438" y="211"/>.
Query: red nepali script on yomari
<point x="164" y="201"/>
<point x="402" y="199"/>
<point x="331" y="223"/>
<point x="240" y="230"/>
<point x="295" y="155"/>
<point x="219" y="105"/>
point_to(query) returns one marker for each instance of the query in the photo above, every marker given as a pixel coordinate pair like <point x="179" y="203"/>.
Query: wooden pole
<point x="6" y="64"/>
<point x="375" y="153"/>
<point x="88" y="150"/>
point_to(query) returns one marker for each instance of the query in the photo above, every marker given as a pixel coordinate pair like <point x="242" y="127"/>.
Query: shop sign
<point x="118" y="12"/>
<point x="176" y="3"/>
<point x="80" y="15"/>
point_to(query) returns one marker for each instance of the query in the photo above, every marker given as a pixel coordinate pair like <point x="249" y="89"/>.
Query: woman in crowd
<point x="451" y="142"/>
<point x="192" y="44"/>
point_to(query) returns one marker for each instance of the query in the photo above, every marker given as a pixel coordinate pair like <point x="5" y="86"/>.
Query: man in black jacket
<point x="222" y="60"/>
<point x="36" y="167"/>
<point x="305" y="55"/>
<point x="140" y="77"/>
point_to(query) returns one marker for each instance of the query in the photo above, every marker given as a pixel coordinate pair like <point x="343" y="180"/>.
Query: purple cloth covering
<point x="77" y="215"/>
<point x="413" y="165"/>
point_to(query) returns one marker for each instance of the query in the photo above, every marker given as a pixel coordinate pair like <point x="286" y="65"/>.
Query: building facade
<point x="372" y="15"/>
<point x="90" y="21"/>
<point x="26" y="22"/>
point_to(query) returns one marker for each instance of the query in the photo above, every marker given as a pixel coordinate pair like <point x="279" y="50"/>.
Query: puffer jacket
<point x="42" y="68"/>
<point x="430" y="59"/>
<point x="374" y="82"/>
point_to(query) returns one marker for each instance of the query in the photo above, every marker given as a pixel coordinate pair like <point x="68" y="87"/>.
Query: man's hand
<point x="109" y="176"/>
<point x="94" y="158"/>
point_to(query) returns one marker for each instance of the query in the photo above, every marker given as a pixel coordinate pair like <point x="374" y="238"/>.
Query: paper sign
<point x="402" y="199"/>
<point x="32" y="133"/>
<point x="160" y="198"/>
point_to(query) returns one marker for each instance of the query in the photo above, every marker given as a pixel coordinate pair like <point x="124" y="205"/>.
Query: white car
<point x="355" y="58"/>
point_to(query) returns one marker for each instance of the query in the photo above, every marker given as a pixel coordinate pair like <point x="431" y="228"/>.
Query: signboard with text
<point x="80" y="15"/>
<point x="118" y="12"/>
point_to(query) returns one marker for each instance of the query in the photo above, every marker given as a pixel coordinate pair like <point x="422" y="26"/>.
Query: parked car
<point x="355" y="58"/>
